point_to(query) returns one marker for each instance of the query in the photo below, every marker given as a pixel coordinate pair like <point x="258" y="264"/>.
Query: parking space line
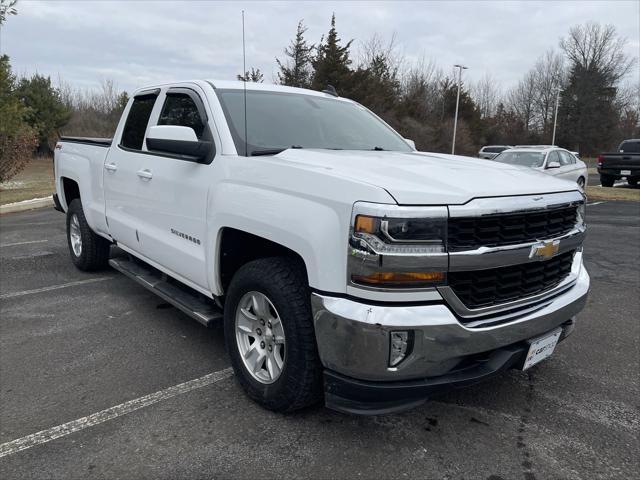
<point x="111" y="413"/>
<point x="21" y="243"/>
<point x="54" y="287"/>
<point x="595" y="203"/>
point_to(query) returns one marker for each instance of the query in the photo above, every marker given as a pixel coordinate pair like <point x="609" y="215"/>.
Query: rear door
<point x="172" y="193"/>
<point x="120" y="167"/>
<point x="569" y="166"/>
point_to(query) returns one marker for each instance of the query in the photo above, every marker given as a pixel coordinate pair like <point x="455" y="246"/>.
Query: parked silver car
<point x="554" y="161"/>
<point x="489" y="152"/>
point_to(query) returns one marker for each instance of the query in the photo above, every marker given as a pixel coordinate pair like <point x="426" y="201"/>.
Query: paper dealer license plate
<point x="625" y="172"/>
<point x="541" y="348"/>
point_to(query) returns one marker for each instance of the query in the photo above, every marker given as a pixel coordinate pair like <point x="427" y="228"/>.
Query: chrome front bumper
<point x="353" y="337"/>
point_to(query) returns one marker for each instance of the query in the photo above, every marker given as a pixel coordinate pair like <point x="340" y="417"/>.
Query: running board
<point x="188" y="301"/>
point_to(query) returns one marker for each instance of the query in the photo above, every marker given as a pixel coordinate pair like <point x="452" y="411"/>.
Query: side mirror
<point x="179" y="141"/>
<point x="553" y="165"/>
<point x="411" y="143"/>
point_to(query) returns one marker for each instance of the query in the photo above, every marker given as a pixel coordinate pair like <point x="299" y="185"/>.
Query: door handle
<point x="111" y="167"/>
<point x="145" y="174"/>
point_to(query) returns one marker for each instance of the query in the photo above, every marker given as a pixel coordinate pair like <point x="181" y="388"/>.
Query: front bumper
<point x="353" y="341"/>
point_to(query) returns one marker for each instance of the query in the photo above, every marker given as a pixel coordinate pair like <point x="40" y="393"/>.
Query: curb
<point x="26" y="205"/>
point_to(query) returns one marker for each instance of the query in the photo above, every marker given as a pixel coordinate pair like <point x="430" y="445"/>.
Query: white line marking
<point x="54" y="287"/>
<point x="595" y="203"/>
<point x="111" y="413"/>
<point x="21" y="243"/>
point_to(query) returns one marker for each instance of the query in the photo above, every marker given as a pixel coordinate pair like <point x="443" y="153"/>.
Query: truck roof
<point x="239" y="85"/>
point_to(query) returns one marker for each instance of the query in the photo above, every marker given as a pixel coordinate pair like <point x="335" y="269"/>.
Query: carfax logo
<point x="185" y="236"/>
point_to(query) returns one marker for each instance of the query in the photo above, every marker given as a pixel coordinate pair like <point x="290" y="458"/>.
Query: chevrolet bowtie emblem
<point x="545" y="250"/>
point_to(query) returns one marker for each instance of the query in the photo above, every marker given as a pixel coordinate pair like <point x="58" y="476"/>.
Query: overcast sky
<point x="137" y="43"/>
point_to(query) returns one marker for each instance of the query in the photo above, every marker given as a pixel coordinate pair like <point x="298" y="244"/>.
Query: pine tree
<point x="297" y="71"/>
<point x="331" y="63"/>
<point x="253" y="75"/>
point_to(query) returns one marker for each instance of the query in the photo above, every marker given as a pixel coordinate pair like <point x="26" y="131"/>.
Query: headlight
<point x="581" y="216"/>
<point x="397" y="247"/>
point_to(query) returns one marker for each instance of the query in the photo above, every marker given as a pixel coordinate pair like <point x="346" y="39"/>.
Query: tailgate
<point x="622" y="161"/>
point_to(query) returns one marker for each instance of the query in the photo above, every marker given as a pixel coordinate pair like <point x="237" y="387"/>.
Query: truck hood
<point x="418" y="178"/>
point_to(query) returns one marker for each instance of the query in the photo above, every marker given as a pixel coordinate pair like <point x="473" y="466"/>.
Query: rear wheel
<point x="88" y="250"/>
<point x="607" y="180"/>
<point x="270" y="337"/>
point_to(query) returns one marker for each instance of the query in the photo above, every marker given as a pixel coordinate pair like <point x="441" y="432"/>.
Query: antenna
<point x="244" y="74"/>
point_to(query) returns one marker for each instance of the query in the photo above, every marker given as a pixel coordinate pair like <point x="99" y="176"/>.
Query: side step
<point x="189" y="301"/>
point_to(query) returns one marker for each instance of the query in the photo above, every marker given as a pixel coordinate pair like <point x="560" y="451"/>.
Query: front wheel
<point x="581" y="182"/>
<point x="88" y="250"/>
<point x="270" y="336"/>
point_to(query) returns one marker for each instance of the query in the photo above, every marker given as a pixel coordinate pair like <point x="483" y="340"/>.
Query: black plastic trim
<point x="97" y="142"/>
<point x="349" y="395"/>
<point x="56" y="203"/>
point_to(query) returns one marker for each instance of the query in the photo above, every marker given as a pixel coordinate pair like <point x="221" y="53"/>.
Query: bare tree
<point x="522" y="100"/>
<point x="598" y="48"/>
<point x="548" y="74"/>
<point x="486" y="94"/>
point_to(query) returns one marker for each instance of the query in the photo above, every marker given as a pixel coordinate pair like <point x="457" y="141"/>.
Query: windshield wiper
<point x="271" y="151"/>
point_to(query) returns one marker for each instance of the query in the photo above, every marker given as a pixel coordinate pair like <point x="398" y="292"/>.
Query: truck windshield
<point x="524" y="159"/>
<point x="277" y="121"/>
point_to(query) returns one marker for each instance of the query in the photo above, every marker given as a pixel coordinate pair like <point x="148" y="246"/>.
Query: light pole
<point x="555" y="118"/>
<point x="455" y="120"/>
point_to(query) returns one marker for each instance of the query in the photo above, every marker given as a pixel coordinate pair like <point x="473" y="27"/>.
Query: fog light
<point x="398" y="347"/>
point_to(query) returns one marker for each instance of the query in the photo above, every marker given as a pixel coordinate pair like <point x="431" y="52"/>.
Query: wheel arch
<point x="238" y="247"/>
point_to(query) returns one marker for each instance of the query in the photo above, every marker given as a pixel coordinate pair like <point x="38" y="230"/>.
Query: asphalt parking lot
<point x="74" y="345"/>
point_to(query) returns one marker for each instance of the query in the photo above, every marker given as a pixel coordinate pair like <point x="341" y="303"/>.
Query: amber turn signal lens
<point x="399" y="279"/>
<point x="365" y="224"/>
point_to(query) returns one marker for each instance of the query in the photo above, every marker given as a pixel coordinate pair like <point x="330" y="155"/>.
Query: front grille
<point x="484" y="288"/>
<point x="470" y="233"/>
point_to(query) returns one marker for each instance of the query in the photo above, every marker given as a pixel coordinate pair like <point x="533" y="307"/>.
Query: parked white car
<point x="489" y="152"/>
<point x="554" y="161"/>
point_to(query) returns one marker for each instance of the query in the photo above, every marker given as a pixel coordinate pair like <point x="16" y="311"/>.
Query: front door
<point x="172" y="195"/>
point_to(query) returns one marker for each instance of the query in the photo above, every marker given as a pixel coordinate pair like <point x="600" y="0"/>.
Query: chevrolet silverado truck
<point x="625" y="163"/>
<point x="346" y="266"/>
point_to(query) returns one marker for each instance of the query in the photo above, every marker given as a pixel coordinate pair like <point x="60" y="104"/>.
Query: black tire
<point x="94" y="253"/>
<point x="581" y="182"/>
<point x="607" y="180"/>
<point x="633" y="181"/>
<point x="284" y="282"/>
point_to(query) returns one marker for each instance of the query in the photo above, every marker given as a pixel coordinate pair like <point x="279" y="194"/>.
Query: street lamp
<point x="555" y="118"/>
<point x="455" y="120"/>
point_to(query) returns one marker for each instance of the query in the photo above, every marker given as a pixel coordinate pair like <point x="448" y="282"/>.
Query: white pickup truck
<point x="345" y="265"/>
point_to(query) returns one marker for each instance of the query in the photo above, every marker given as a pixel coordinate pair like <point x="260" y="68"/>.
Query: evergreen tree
<point x="253" y="75"/>
<point x="331" y="63"/>
<point x="17" y="139"/>
<point x="46" y="111"/>
<point x="297" y="71"/>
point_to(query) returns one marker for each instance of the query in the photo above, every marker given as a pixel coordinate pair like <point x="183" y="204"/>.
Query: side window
<point x="180" y="109"/>
<point x="553" y="157"/>
<point x="565" y="158"/>
<point x="136" y="125"/>
<point x="571" y="159"/>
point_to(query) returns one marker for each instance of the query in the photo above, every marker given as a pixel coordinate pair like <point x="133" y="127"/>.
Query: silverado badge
<point x="545" y="250"/>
